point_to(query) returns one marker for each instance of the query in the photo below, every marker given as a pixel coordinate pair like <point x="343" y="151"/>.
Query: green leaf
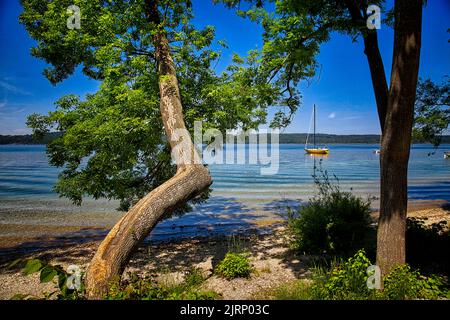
<point x="14" y="263"/>
<point x="33" y="266"/>
<point x="47" y="274"/>
<point x="62" y="278"/>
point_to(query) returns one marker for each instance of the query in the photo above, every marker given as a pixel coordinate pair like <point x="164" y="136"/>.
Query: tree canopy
<point x="113" y="143"/>
<point x="295" y="30"/>
<point x="432" y="111"/>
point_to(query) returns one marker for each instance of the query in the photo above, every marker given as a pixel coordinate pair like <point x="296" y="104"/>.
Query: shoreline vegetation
<point x="275" y="266"/>
<point x="284" y="138"/>
<point x="259" y="257"/>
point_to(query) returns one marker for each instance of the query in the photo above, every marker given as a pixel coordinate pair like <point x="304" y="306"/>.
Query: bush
<point x="344" y="280"/>
<point x="427" y="246"/>
<point x="234" y="265"/>
<point x="348" y="281"/>
<point x="403" y="283"/>
<point x="333" y="222"/>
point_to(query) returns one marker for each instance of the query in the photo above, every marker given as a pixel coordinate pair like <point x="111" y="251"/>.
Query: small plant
<point x="234" y="265"/>
<point x="65" y="289"/>
<point x="139" y="288"/>
<point x="266" y="269"/>
<point x="296" y="290"/>
<point x="236" y="244"/>
<point x="344" y="280"/>
<point x="348" y="281"/>
<point x="404" y="283"/>
<point x="334" y="222"/>
<point x="134" y="288"/>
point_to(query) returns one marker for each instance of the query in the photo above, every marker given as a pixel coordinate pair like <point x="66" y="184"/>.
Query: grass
<point x="137" y="288"/>
<point x="295" y="290"/>
<point x="347" y="280"/>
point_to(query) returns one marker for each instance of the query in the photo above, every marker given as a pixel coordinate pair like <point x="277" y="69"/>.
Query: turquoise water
<point x="240" y="193"/>
<point x="24" y="171"/>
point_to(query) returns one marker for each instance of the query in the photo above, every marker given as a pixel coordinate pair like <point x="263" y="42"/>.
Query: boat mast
<point x="314" y="137"/>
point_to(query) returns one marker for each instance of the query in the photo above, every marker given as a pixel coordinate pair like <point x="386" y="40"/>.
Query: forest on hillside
<point x="285" y="138"/>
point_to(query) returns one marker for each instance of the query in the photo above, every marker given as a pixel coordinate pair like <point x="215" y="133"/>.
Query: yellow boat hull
<point x="317" y="151"/>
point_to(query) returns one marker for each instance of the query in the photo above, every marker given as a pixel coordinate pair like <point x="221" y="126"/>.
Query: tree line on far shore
<point x="285" y="138"/>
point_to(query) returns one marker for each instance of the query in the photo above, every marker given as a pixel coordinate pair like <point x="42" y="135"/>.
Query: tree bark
<point x="190" y="179"/>
<point x="376" y="65"/>
<point x="377" y="74"/>
<point x="396" y="138"/>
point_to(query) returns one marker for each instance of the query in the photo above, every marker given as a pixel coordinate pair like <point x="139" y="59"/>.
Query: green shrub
<point x="427" y="246"/>
<point x="348" y="281"/>
<point x="234" y="265"/>
<point x="344" y="280"/>
<point x="403" y="283"/>
<point x="333" y="222"/>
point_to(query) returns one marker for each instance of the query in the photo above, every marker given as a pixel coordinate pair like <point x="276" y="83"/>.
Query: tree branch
<point x="375" y="60"/>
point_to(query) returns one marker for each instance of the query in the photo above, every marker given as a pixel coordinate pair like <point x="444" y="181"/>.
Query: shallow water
<point x="240" y="193"/>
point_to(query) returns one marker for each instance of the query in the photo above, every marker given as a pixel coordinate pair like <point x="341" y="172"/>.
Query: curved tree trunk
<point x="191" y="178"/>
<point x="396" y="138"/>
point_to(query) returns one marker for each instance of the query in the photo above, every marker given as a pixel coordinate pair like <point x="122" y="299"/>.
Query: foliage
<point x="134" y="288"/>
<point x="48" y="273"/>
<point x="113" y="144"/>
<point x="431" y="111"/>
<point x="348" y="281"/>
<point x="333" y="221"/>
<point x="138" y="288"/>
<point x="293" y="33"/>
<point x="427" y="245"/>
<point x="238" y="244"/>
<point x="234" y="265"/>
<point x="404" y="283"/>
<point x="296" y="290"/>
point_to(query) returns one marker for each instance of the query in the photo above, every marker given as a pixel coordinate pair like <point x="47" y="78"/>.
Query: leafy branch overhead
<point x="293" y="33"/>
<point x="113" y="143"/>
<point x="432" y="111"/>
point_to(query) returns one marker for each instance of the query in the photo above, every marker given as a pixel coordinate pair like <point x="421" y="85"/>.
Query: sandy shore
<point x="274" y="263"/>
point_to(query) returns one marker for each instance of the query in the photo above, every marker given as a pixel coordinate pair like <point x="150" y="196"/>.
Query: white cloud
<point x="9" y="87"/>
<point x="352" y="118"/>
<point x="332" y="115"/>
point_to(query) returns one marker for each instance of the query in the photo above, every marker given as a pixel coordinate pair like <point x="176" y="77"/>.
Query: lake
<point x="240" y="193"/>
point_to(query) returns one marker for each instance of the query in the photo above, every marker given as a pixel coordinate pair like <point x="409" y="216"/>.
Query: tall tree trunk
<point x="190" y="179"/>
<point x="377" y="74"/>
<point x="396" y="137"/>
<point x="372" y="52"/>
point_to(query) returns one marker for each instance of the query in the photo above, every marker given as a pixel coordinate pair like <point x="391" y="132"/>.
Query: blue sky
<point x="342" y="90"/>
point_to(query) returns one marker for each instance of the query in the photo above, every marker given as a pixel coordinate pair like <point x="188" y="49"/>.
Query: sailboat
<point x="315" y="149"/>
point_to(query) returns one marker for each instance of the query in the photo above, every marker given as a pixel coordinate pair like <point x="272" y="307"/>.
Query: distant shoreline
<point x="284" y="138"/>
